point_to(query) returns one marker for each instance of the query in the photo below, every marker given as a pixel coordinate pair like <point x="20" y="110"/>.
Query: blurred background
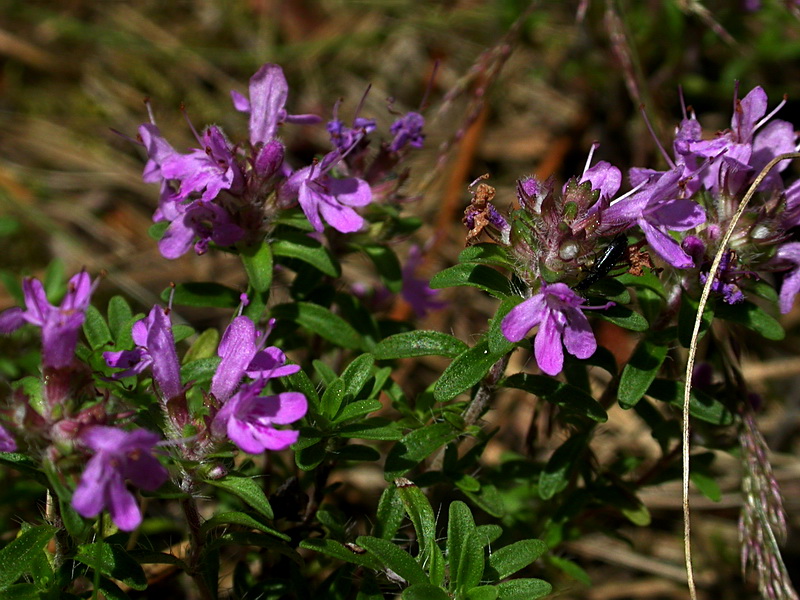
<point x="520" y="89"/>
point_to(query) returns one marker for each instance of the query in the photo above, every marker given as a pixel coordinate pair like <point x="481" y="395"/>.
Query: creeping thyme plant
<point x="214" y="455"/>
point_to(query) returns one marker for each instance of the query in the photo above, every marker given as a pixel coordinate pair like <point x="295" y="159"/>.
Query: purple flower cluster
<point x="246" y="417"/>
<point x="680" y="214"/>
<point x="224" y="193"/>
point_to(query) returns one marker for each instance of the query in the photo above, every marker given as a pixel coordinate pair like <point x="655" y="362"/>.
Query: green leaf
<point x="358" y="373"/>
<point x="321" y="321"/>
<point x="356" y="452"/>
<point x="376" y="428"/>
<point x="112" y="561"/>
<point x="203" y="294"/>
<point x="572" y="400"/>
<point x="390" y="514"/>
<point x="239" y="518"/>
<point x="475" y="275"/>
<point x="393" y="558"/>
<point x="506" y="561"/>
<point x="424" y="591"/>
<point x="419" y="343"/>
<point x="200" y="370"/>
<point x="562" y="463"/>
<point x="205" y="346"/>
<point x="358" y="409"/>
<point x="751" y="316"/>
<point x="466" y="370"/>
<point x="96" y="330"/>
<point x="119" y="315"/>
<point x="415" y="447"/>
<point x="18" y="557"/>
<point x="461" y="548"/>
<point x="483" y="592"/>
<point x="648" y="280"/>
<point x="386" y="264"/>
<point x="310" y="457"/>
<point x="332" y="398"/>
<point x="351" y="553"/>
<point x="488" y="534"/>
<point x="640" y="372"/>
<point x="701" y="405"/>
<point x="293" y="244"/>
<point x="487" y="254"/>
<point x="21" y="591"/>
<point x="570" y="568"/>
<point x="624" y="317"/>
<point x="419" y="511"/>
<point x="524" y="589"/>
<point x="257" y="261"/>
<point x="247" y="490"/>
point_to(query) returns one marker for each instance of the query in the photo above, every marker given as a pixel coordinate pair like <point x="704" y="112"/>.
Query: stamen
<point x="772" y="114"/>
<point x="683" y="101"/>
<point x="595" y="146"/>
<point x="626" y="194"/>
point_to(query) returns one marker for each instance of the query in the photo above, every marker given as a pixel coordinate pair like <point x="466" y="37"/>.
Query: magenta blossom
<point x="407" y="130"/>
<point x="119" y="455"/>
<point x="155" y="348"/>
<point x="7" y="443"/>
<point x="60" y="324"/>
<point x="658" y="209"/>
<point x="266" y="105"/>
<point x="556" y="309"/>
<point x="324" y="197"/>
<point x="248" y="419"/>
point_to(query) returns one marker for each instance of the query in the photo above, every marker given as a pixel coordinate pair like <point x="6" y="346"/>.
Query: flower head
<point x="556" y="309"/>
<point x="324" y="197"/>
<point x="60" y="324"/>
<point x="119" y="455"/>
<point x="266" y="105"/>
<point x="249" y="419"/>
<point x="407" y="130"/>
<point x="155" y="348"/>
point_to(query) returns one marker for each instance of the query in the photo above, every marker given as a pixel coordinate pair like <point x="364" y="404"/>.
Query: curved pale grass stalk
<point x="687" y="544"/>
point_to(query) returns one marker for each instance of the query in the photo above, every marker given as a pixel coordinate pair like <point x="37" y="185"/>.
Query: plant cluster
<point x="142" y="408"/>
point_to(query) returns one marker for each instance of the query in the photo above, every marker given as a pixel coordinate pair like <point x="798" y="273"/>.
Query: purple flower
<point x="729" y="161"/>
<point x="205" y="171"/>
<point x="248" y="419"/>
<point x="344" y="138"/>
<point x="241" y="352"/>
<point x="7" y="443"/>
<point x="155" y="348"/>
<point x="324" y="197"/>
<point x="407" y="130"/>
<point x="60" y="324"/>
<point x="657" y="209"/>
<point x="268" y="94"/>
<point x="789" y="253"/>
<point x="556" y="309"/>
<point x="206" y="221"/>
<point x="119" y="455"/>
